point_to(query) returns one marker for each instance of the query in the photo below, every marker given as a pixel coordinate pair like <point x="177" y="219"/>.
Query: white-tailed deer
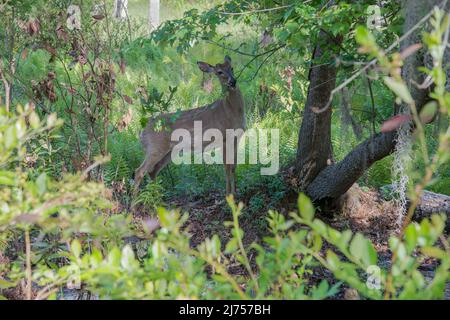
<point x="223" y="114"/>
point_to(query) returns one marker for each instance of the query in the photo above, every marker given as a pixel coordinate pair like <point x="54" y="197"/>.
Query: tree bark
<point x="430" y="203"/>
<point x="336" y="179"/>
<point x="414" y="10"/>
<point x="314" y="150"/>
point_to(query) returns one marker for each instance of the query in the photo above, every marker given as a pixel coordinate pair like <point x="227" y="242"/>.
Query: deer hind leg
<point x="139" y="174"/>
<point x="148" y="165"/>
<point x="159" y="166"/>
<point x="227" y="178"/>
<point x="230" y="173"/>
<point x="226" y="170"/>
<point x="232" y="170"/>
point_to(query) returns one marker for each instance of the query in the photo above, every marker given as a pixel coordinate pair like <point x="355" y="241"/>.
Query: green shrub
<point x="151" y="196"/>
<point x="69" y="211"/>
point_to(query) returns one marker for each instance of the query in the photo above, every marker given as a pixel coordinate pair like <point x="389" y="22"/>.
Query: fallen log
<point x="430" y="203"/>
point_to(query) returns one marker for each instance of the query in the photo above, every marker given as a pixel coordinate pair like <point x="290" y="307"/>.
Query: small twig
<point x="445" y="244"/>
<point x="45" y="295"/>
<point x="28" y="263"/>
<point x="270" y="52"/>
<point x="262" y="63"/>
<point x="255" y="11"/>
<point x="219" y="268"/>
<point x="242" y="249"/>
<point x="231" y="49"/>
<point x="369" y="83"/>
<point x="128" y="24"/>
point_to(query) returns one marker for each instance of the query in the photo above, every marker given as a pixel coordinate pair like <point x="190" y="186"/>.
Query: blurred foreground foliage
<point x="71" y="240"/>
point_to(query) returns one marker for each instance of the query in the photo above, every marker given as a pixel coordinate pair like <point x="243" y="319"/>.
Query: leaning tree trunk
<point x="319" y="177"/>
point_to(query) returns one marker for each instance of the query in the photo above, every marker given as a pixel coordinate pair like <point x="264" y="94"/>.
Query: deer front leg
<point x="227" y="178"/>
<point x="151" y="159"/>
<point x="233" y="179"/>
<point x="233" y="169"/>
<point x="139" y="175"/>
<point x="230" y="170"/>
<point x="226" y="167"/>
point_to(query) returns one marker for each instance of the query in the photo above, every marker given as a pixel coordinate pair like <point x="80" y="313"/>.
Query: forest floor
<point x="364" y="211"/>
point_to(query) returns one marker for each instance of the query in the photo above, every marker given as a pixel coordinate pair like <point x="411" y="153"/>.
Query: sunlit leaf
<point x="428" y="112"/>
<point x="399" y="88"/>
<point x="306" y="207"/>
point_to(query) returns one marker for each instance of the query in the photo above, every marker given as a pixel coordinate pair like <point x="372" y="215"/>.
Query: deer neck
<point x="233" y="99"/>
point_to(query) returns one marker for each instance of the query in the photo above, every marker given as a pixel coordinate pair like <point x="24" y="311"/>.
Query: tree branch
<point x="337" y="178"/>
<point x="314" y="148"/>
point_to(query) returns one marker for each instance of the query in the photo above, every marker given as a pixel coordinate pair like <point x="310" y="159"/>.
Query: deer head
<point x="223" y="71"/>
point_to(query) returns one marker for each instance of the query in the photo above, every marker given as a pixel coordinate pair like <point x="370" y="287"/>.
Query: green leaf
<point x="434" y="252"/>
<point x="127" y="260"/>
<point x="411" y="236"/>
<point x="428" y="112"/>
<point x="158" y="250"/>
<point x="399" y="88"/>
<point x="6" y="284"/>
<point x="75" y="246"/>
<point x="41" y="183"/>
<point x="114" y="257"/>
<point x="320" y="227"/>
<point x="7" y="178"/>
<point x="306" y="207"/>
<point x="321" y="291"/>
<point x="344" y="239"/>
<point x="401" y="252"/>
<point x="34" y="120"/>
<point x="362" y="249"/>
<point x="215" y="246"/>
<point x="10" y="137"/>
<point x="292" y="26"/>
<point x="363" y="36"/>
<point x="52" y="120"/>
<point x="332" y="260"/>
<point x="96" y="257"/>
<point x="231" y="246"/>
<point x="317" y="244"/>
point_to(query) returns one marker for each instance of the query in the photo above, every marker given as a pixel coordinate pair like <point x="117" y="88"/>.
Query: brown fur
<point x="226" y="113"/>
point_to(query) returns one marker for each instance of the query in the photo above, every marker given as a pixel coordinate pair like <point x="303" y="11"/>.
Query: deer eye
<point x="220" y="72"/>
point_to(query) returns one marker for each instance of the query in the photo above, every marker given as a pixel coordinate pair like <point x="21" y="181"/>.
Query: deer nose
<point x="232" y="82"/>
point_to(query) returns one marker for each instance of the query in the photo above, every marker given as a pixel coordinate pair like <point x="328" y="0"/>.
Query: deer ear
<point x="227" y="59"/>
<point x="205" y="67"/>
